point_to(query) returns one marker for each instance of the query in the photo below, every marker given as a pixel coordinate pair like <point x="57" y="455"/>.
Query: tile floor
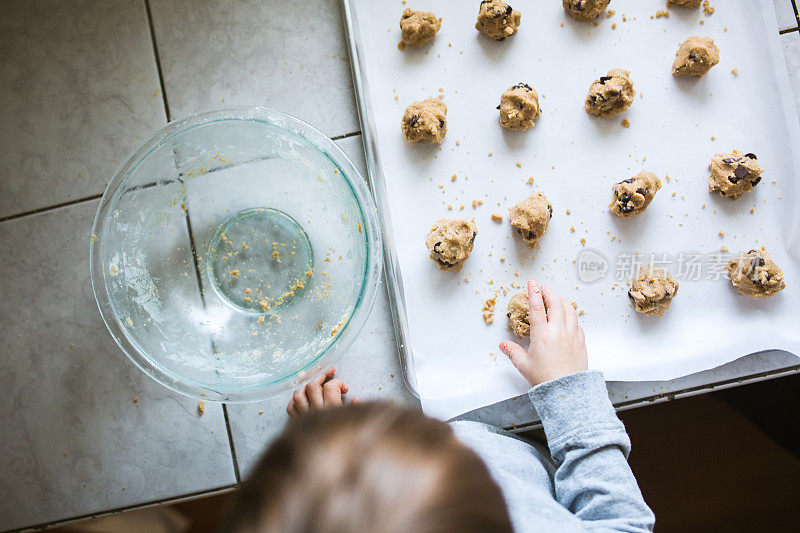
<point x="83" y="83"/>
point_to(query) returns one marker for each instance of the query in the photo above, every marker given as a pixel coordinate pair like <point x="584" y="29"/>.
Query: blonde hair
<point x="370" y="467"/>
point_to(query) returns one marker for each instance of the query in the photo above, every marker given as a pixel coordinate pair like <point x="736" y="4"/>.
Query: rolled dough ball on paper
<point x="497" y="20"/>
<point x="450" y="242"/>
<point x="518" y="319"/>
<point x="684" y="3"/>
<point x="585" y="10"/>
<point x="519" y="107"/>
<point x="633" y="195"/>
<point x="425" y="121"/>
<point x="734" y="174"/>
<point x="531" y="216"/>
<point x="695" y="57"/>
<point x="652" y="290"/>
<point x="756" y="275"/>
<point x="611" y="94"/>
<point x="418" y="27"/>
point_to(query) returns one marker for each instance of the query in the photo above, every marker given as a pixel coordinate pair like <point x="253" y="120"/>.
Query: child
<point x="375" y="467"/>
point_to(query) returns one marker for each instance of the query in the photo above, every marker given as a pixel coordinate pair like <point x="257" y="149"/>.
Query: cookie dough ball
<point x="418" y="27"/>
<point x="695" y="57"/>
<point x="450" y="242"/>
<point x="652" y="290"/>
<point x="518" y="320"/>
<point x="684" y="3"/>
<point x="585" y="10"/>
<point x="497" y="20"/>
<point x="733" y="174"/>
<point x="611" y="94"/>
<point x="633" y="195"/>
<point x="519" y="107"/>
<point x="425" y="121"/>
<point x="755" y="274"/>
<point x="531" y="216"/>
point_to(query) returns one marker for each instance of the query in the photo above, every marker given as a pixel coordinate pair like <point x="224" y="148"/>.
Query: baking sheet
<point x="676" y="125"/>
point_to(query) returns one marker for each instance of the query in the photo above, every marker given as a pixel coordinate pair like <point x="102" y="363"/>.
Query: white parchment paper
<point x="675" y="127"/>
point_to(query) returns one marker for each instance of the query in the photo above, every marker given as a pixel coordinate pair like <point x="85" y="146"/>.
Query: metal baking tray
<point x="732" y="374"/>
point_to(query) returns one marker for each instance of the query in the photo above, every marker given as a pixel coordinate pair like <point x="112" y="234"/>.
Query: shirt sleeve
<point x="590" y="448"/>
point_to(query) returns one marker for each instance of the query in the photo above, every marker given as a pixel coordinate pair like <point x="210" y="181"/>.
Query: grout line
<point x="152" y="503"/>
<point x="193" y="246"/>
<point x="233" y="446"/>
<point x="50" y="207"/>
<point x="789" y="30"/>
<point x="346" y="135"/>
<point x="198" y="275"/>
<point x="157" y="58"/>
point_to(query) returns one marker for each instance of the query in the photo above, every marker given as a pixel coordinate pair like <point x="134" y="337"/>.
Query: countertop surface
<point x="85" y="432"/>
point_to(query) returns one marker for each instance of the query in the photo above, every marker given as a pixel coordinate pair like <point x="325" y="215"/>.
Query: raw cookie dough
<point x="684" y="3"/>
<point x="497" y="20"/>
<point x="633" y="195"/>
<point x="755" y="274"/>
<point x="418" y="27"/>
<point x="585" y="10"/>
<point x="611" y="94"/>
<point x="695" y="57"/>
<point x="531" y="216"/>
<point x="450" y="242"/>
<point x="652" y="290"/>
<point x="518" y="321"/>
<point x="425" y="121"/>
<point x="519" y="107"/>
<point x="733" y="174"/>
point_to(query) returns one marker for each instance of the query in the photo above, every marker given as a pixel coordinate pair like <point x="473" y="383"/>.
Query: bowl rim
<point x="345" y="336"/>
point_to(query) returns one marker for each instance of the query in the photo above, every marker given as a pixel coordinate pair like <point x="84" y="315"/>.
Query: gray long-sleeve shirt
<point x="584" y="483"/>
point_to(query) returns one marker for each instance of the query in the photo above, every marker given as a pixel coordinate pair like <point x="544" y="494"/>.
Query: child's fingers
<point x="515" y="352"/>
<point x="300" y="401"/>
<point x="333" y="391"/>
<point x="314" y="395"/>
<point x="537" y="314"/>
<point x="291" y="410"/>
<point x="555" y="307"/>
<point x="329" y="374"/>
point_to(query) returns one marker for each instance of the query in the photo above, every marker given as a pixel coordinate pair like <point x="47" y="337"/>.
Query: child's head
<point x="369" y="467"/>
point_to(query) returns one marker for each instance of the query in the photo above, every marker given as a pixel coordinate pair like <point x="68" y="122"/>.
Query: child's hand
<point x="322" y="392"/>
<point x="557" y="344"/>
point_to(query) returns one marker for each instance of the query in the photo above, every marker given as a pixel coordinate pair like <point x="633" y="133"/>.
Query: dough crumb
<point x="626" y="123"/>
<point x="662" y="13"/>
<point x="476" y="203"/>
<point x="610" y="13"/>
<point x="201" y="407"/>
<point x="708" y="9"/>
<point x="488" y="309"/>
<point x="497" y="218"/>
<point x="735" y="72"/>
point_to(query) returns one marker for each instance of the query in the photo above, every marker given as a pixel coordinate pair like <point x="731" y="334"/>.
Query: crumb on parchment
<point x="488" y="309"/>
<point x="201" y="407"/>
<point x="497" y="218"/>
<point x="626" y="123"/>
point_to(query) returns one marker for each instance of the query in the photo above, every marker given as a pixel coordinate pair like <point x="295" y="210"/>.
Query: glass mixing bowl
<point x="235" y="254"/>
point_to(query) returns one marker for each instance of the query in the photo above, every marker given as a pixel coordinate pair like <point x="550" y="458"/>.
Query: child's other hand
<point x="322" y="392"/>
<point x="557" y="344"/>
